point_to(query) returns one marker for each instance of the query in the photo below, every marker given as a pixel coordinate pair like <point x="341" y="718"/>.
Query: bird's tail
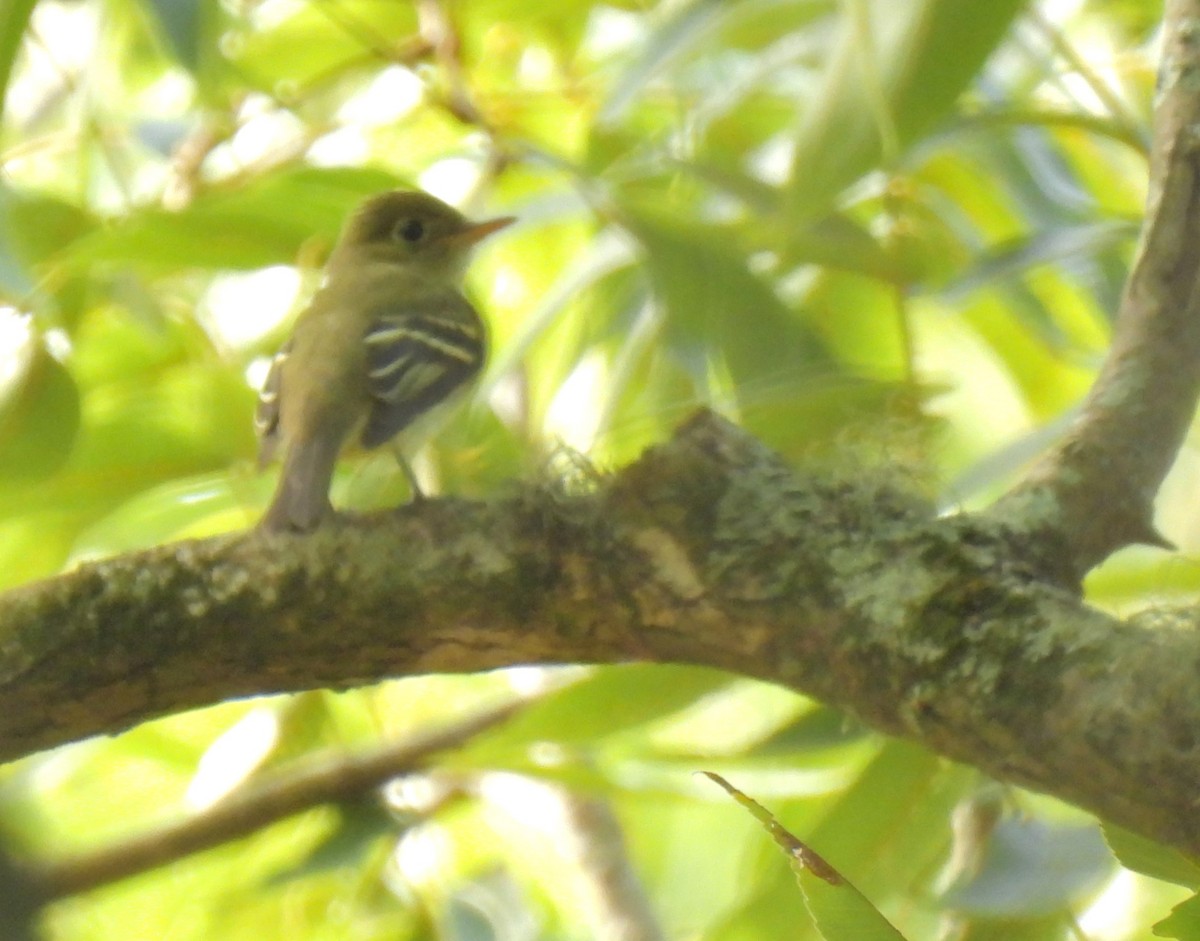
<point x="302" y="495"/>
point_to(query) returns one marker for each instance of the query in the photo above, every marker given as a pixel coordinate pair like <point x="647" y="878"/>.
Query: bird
<point x="387" y="340"/>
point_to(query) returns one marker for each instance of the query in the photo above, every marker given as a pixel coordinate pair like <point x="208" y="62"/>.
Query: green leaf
<point x="610" y="701"/>
<point x="1136" y="852"/>
<point x="863" y="824"/>
<point x="838" y="242"/>
<point x="312" y="43"/>
<point x="39" y="225"/>
<point x="896" y="71"/>
<point x="14" y="18"/>
<point x="180" y="22"/>
<point x="32" y="228"/>
<point x="39" y="418"/>
<point x="360" y="827"/>
<point x="603" y="257"/>
<point x="716" y="306"/>
<point x="33" y="545"/>
<point x="179" y="508"/>
<point x="262" y="224"/>
<point x="817" y="728"/>
<point x="755" y="24"/>
<point x="189" y="420"/>
<point x="1051" y="247"/>
<point x="1183" y="923"/>
<point x="841" y="912"/>
<point x="15" y="280"/>
<point x="1008" y="115"/>
<point x="687" y="24"/>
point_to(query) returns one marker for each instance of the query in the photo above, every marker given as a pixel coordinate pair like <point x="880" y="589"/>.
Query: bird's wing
<point x="266" y="414"/>
<point x="416" y="357"/>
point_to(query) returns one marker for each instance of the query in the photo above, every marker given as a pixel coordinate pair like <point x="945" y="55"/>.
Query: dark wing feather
<point x="266" y="415"/>
<point x="416" y="358"/>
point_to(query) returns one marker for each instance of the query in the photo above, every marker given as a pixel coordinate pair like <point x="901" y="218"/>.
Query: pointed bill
<point x="478" y="231"/>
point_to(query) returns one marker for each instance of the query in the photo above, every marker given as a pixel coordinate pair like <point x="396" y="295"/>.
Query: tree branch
<point x="263" y="802"/>
<point x="708" y="550"/>
<point x="1097" y="488"/>
<point x="956" y="632"/>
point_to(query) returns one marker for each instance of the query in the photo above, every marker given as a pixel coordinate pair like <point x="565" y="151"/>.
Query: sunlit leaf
<point x="837" y="907"/>
<point x="604" y="256"/>
<point x="838" y="242"/>
<point x="681" y="28"/>
<point x="180" y="22"/>
<point x="265" y="223"/>
<point x="189" y="420"/>
<point x="752" y="24"/>
<point x="34" y="545"/>
<point x="895" y="72"/>
<point x="32" y="228"/>
<point x="892" y="823"/>
<point x="1158" y="860"/>
<point x="177" y="509"/>
<point x="1057" y="119"/>
<point x="716" y="306"/>
<point x="1060" y="246"/>
<point x="315" y="42"/>
<point x="611" y="701"/>
<point x="1183" y="923"/>
<point x="360" y="828"/>
<point x="814" y="729"/>
<point x="14" y="17"/>
<point x="39" y="418"/>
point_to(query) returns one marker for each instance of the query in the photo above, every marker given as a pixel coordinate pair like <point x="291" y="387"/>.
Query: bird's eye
<point x="411" y="230"/>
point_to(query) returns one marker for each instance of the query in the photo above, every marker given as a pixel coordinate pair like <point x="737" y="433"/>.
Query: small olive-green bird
<point x="387" y="339"/>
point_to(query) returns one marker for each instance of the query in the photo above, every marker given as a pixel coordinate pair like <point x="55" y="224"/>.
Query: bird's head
<point x="411" y="228"/>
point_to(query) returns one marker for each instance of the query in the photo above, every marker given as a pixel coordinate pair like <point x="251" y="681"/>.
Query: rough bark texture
<point x="709" y="550"/>
<point x="963" y="633"/>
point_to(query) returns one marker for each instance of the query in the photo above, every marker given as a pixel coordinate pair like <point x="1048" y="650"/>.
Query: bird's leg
<point x="414" y="485"/>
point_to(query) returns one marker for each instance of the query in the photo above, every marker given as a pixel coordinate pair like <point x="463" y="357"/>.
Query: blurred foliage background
<point x="887" y="238"/>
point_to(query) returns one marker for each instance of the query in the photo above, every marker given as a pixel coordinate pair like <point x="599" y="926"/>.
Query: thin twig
<point x="1111" y="101"/>
<point x="616" y="898"/>
<point x="320" y="781"/>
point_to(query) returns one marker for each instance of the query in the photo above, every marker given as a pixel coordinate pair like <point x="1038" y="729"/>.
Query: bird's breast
<point x="324" y="378"/>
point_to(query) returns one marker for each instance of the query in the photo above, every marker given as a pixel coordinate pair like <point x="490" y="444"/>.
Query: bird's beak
<point x="478" y="231"/>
